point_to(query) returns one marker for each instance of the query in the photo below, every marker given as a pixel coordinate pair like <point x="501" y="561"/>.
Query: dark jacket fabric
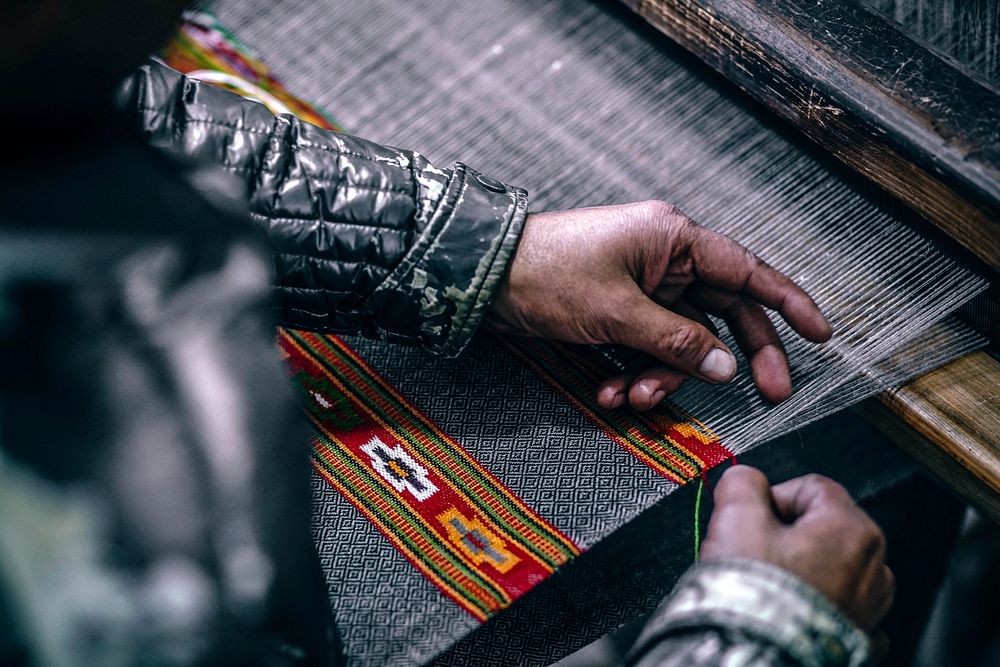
<point x="364" y="238"/>
<point x="154" y="496"/>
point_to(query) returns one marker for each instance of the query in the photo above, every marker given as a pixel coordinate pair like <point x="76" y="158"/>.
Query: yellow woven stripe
<point x="418" y="560"/>
<point x="484" y="495"/>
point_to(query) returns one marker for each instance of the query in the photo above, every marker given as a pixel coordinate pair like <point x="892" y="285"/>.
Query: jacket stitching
<point x="188" y="119"/>
<point x="388" y="161"/>
<point x="262" y="217"/>
<point x="252" y="169"/>
<point x="332" y="260"/>
<point x="361" y="186"/>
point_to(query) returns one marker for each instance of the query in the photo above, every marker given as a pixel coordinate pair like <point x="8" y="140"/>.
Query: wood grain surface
<point x="949" y="420"/>
<point x="915" y="123"/>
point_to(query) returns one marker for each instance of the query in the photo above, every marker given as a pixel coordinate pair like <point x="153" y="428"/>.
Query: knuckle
<point x="827" y="489"/>
<point x="864" y="539"/>
<point x="682" y="344"/>
<point x="874" y="537"/>
<point x="811" y="478"/>
<point x="751" y="260"/>
<point x="743" y="474"/>
<point x="663" y="212"/>
<point x="890" y="581"/>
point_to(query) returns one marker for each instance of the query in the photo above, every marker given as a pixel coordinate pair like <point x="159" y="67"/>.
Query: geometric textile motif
<point x="477" y="541"/>
<point x="399" y="469"/>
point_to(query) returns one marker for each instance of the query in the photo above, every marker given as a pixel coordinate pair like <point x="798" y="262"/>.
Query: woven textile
<point x="446" y="489"/>
<point x="442" y="510"/>
<point x="450" y="517"/>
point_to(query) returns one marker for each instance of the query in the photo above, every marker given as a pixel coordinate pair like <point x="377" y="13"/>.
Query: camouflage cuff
<point x="762" y="601"/>
<point x="453" y="271"/>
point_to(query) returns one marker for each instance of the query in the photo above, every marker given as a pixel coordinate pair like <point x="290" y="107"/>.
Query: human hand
<point x="811" y="527"/>
<point x="645" y="275"/>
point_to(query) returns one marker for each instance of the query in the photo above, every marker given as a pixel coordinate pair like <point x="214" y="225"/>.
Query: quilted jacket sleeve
<point x="747" y="613"/>
<point x="365" y="238"/>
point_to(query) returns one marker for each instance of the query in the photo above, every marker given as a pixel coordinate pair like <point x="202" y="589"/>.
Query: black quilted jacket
<point x="363" y="237"/>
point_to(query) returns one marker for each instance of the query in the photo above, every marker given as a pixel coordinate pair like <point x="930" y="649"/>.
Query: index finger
<point x="722" y="262"/>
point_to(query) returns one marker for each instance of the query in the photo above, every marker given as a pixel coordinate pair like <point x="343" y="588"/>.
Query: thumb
<point x="743" y="485"/>
<point x="681" y="343"/>
<point x="743" y="518"/>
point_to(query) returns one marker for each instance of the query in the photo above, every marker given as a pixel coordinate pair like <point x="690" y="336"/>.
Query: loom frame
<point x="916" y="123"/>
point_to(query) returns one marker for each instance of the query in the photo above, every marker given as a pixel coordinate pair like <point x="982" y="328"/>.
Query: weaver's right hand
<point x="646" y="276"/>
<point x="811" y="527"/>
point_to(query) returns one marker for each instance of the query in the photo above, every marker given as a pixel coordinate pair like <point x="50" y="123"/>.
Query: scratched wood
<point x="949" y="420"/>
<point x="916" y="124"/>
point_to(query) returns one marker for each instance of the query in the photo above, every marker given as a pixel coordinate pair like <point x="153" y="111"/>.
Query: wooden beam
<point x="917" y="124"/>
<point x="949" y="421"/>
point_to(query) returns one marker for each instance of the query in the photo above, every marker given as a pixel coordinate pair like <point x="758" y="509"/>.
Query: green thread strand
<point x="697" y="520"/>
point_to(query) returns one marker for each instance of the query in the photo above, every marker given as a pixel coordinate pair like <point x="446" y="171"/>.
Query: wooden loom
<point x="920" y="125"/>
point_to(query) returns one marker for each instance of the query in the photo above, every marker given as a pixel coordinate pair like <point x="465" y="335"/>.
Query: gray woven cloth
<point x="568" y="99"/>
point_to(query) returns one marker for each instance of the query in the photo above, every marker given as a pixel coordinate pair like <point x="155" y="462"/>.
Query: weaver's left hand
<point x="810" y="527"/>
<point x="644" y="275"/>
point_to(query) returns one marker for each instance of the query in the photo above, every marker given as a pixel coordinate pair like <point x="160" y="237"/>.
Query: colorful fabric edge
<point x="667" y="439"/>
<point x="451" y="518"/>
<point x="202" y="46"/>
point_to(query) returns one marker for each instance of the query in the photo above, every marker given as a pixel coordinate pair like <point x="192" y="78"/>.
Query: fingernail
<point x="617" y="400"/>
<point x="718" y="365"/>
<point x="648" y="388"/>
<point x="608" y="397"/>
<point x="658" y="396"/>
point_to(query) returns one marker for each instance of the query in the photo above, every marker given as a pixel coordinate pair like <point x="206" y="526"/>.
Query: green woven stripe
<point x="412" y="520"/>
<point x="544" y="360"/>
<point x="540" y="529"/>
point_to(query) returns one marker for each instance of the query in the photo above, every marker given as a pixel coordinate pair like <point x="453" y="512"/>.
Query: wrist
<point x="764" y="601"/>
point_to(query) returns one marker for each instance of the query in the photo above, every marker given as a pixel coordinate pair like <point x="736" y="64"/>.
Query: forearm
<point x="365" y="238"/>
<point x="743" y="612"/>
